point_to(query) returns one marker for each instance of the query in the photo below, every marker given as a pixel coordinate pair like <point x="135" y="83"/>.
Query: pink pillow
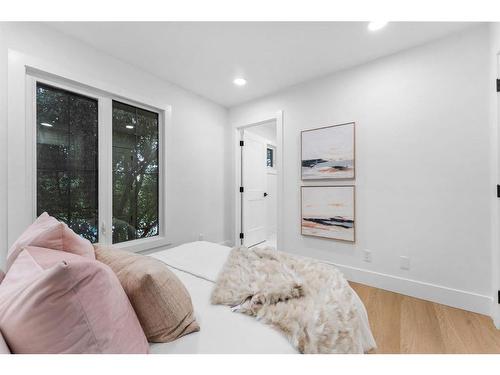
<point x="57" y="302"/>
<point x="50" y="233"/>
<point x="4" y="349"/>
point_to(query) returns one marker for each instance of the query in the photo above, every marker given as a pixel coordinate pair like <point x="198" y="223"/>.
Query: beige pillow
<point x="160" y="300"/>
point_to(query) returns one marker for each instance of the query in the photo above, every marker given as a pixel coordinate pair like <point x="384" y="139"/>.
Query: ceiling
<point x="205" y="57"/>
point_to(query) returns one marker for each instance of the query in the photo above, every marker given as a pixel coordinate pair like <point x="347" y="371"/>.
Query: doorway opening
<point x="259" y="169"/>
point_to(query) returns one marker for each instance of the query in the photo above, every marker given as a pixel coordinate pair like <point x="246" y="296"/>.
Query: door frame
<point x="236" y="136"/>
<point x="495" y="174"/>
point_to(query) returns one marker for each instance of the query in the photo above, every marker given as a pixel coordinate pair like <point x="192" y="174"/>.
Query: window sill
<point x="142" y="244"/>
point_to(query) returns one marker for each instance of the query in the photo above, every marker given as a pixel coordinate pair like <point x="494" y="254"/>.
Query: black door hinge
<point x="499" y="297"/>
<point x="498" y="191"/>
<point x="498" y="85"/>
<point x="241" y="189"/>
<point x="242" y="143"/>
<point x="242" y="236"/>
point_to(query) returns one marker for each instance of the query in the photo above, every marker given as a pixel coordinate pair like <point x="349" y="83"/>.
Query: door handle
<point x="265" y="194"/>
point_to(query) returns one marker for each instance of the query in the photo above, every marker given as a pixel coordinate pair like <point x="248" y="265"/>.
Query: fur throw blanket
<point x="309" y="301"/>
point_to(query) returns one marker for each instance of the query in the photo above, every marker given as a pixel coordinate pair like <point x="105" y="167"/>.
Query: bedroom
<point x="384" y="157"/>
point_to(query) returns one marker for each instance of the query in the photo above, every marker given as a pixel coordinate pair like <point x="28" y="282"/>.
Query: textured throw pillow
<point x="50" y="233"/>
<point x="161" y="302"/>
<point x="4" y="349"/>
<point x="57" y="302"/>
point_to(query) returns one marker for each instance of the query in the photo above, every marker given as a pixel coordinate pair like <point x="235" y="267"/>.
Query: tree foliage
<point x="135" y="173"/>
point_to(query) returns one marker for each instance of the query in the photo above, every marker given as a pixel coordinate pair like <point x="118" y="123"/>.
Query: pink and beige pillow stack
<point x="56" y="298"/>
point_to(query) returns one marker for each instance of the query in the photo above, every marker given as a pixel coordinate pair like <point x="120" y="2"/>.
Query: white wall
<point x="196" y="145"/>
<point x="423" y="167"/>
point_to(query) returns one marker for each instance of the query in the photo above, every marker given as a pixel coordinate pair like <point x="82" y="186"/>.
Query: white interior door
<point x="271" y="203"/>
<point x="254" y="173"/>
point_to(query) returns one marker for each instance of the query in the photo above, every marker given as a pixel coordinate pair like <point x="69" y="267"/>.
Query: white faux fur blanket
<point x="309" y="301"/>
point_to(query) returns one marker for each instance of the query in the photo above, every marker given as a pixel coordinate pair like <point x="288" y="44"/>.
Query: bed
<point x="197" y="265"/>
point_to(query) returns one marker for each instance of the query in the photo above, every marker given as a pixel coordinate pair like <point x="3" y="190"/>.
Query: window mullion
<point x="105" y="171"/>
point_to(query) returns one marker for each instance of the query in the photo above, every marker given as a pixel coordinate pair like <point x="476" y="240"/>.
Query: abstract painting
<point x="328" y="152"/>
<point x="328" y="211"/>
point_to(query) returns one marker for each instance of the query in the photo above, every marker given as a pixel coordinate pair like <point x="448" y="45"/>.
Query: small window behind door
<point x="270" y="157"/>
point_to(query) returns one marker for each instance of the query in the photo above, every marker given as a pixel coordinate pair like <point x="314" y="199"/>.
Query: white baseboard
<point x="436" y="293"/>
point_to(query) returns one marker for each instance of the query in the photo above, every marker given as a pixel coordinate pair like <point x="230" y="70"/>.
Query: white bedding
<point x="197" y="265"/>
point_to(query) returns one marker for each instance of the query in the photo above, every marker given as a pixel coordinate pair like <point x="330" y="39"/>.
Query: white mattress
<point x="197" y="265"/>
<point x="201" y="258"/>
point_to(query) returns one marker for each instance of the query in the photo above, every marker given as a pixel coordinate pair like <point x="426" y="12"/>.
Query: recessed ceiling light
<point x="129" y="126"/>
<point x="376" y="25"/>
<point x="240" y="81"/>
<point x="46" y="124"/>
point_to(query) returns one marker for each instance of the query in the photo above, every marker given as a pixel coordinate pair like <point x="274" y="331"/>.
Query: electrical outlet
<point x="367" y="256"/>
<point x="404" y="262"/>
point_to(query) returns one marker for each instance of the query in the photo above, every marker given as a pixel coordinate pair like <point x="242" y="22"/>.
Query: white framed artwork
<point x="328" y="212"/>
<point x="328" y="152"/>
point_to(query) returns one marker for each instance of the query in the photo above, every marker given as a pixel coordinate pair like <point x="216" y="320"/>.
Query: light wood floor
<point x="402" y="324"/>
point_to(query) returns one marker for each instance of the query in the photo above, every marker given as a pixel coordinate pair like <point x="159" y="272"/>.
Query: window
<point x="270" y="157"/>
<point x="135" y="173"/>
<point x="67" y="158"/>
<point x="106" y="189"/>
